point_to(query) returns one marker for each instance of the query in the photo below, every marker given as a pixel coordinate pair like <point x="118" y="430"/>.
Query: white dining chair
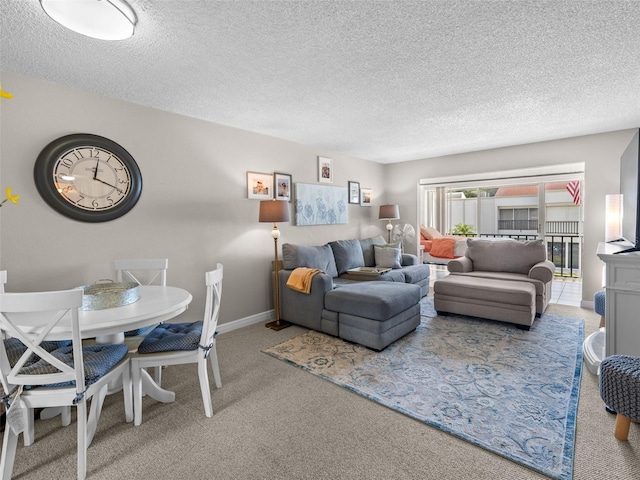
<point x="64" y="377"/>
<point x="181" y="343"/>
<point x="145" y="271"/>
<point x="150" y="271"/>
<point x="15" y="349"/>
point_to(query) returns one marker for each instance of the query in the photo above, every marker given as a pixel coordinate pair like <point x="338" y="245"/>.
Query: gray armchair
<point x="508" y="260"/>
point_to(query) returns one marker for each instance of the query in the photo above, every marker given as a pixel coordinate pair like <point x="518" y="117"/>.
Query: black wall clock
<point x="88" y="177"/>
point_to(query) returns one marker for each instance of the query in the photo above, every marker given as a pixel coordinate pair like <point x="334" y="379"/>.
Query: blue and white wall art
<point x="320" y="204"/>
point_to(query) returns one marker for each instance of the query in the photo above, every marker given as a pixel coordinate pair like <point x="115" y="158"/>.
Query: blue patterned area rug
<point x="511" y="391"/>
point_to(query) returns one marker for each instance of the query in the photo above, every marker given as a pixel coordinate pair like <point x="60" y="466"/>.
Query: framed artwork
<point x="325" y="170"/>
<point x="282" y="186"/>
<point x="354" y="192"/>
<point x="320" y="204"/>
<point x="366" y="197"/>
<point x="259" y="186"/>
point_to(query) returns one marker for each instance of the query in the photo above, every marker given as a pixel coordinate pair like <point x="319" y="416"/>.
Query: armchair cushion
<point x="505" y="255"/>
<point x="514" y="277"/>
<point x="320" y="257"/>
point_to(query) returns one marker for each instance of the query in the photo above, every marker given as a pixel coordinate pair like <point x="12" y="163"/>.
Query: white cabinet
<point x="622" y="285"/>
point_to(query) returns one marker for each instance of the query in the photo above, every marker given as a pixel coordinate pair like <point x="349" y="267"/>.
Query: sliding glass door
<point x="549" y="207"/>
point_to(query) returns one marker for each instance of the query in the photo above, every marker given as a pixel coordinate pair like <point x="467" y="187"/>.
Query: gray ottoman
<point x="620" y="390"/>
<point x="503" y="300"/>
<point x="373" y="314"/>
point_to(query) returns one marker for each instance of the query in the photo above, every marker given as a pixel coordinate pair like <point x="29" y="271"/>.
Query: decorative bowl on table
<point x="103" y="295"/>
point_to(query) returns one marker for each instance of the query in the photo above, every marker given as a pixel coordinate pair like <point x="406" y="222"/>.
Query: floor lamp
<point x="275" y="211"/>
<point x="388" y="213"/>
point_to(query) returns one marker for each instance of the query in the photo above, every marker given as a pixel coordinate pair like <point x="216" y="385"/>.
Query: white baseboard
<point x="246" y="321"/>
<point x="586" y="304"/>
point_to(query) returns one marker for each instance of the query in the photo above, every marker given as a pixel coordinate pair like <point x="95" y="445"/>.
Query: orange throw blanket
<point x="443" y="247"/>
<point x="300" y="279"/>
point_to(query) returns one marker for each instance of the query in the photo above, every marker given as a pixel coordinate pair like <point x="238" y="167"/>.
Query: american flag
<point x="574" y="189"/>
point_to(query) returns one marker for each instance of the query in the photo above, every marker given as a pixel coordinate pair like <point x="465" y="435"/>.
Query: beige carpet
<point x="272" y="421"/>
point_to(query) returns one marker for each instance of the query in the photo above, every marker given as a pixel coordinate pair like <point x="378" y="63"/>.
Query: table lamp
<point x="275" y="211"/>
<point x="613" y="218"/>
<point x="388" y="213"/>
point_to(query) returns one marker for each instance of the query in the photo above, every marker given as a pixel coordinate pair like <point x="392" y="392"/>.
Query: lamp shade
<point x="613" y="218"/>
<point x="102" y="19"/>
<point x="389" y="212"/>
<point x="274" y="211"/>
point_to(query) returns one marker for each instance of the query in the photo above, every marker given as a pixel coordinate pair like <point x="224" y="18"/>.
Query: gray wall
<point x="600" y="153"/>
<point x="193" y="209"/>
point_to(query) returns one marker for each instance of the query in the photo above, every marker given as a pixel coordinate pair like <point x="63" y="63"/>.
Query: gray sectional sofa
<point x="374" y="310"/>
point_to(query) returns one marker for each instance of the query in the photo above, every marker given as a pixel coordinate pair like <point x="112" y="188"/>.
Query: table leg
<point x="151" y="388"/>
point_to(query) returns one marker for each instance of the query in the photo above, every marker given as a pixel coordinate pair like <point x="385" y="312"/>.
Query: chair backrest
<point x="143" y="272"/>
<point x="30" y="317"/>
<point x="3" y="281"/>
<point x="213" y="279"/>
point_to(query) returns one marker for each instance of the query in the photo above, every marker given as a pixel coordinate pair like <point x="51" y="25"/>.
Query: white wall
<point x="600" y="153"/>
<point x="193" y="207"/>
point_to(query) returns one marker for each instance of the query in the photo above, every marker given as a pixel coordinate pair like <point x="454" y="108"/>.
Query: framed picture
<point x="259" y="186"/>
<point x="282" y="186"/>
<point x="354" y="192"/>
<point x="325" y="170"/>
<point x="366" y="197"/>
<point x="320" y="204"/>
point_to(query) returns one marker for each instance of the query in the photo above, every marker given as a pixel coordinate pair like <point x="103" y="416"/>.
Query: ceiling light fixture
<point x="102" y="19"/>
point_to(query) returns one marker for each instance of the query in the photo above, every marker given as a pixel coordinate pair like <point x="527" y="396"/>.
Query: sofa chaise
<point x="373" y="310"/>
<point x="505" y="280"/>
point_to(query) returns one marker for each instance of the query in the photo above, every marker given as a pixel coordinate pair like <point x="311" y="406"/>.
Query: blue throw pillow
<point x="348" y="254"/>
<point x="367" y="245"/>
<point x="320" y="257"/>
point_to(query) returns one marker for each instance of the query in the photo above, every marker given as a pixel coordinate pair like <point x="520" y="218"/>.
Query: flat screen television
<point x="630" y="190"/>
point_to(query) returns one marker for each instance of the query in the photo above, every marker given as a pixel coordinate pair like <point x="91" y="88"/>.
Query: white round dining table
<point x="156" y="304"/>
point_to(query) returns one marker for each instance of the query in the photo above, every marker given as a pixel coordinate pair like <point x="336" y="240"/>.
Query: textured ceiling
<point x="383" y="80"/>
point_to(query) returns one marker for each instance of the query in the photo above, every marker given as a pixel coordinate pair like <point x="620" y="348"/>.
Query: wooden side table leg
<point x="622" y="427"/>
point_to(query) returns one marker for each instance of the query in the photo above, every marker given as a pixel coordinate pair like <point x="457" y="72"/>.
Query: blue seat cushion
<point x="167" y="337"/>
<point x="98" y="361"/>
<point x="15" y="349"/>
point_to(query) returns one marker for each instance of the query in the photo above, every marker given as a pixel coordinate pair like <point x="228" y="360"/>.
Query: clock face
<point x="88" y="178"/>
